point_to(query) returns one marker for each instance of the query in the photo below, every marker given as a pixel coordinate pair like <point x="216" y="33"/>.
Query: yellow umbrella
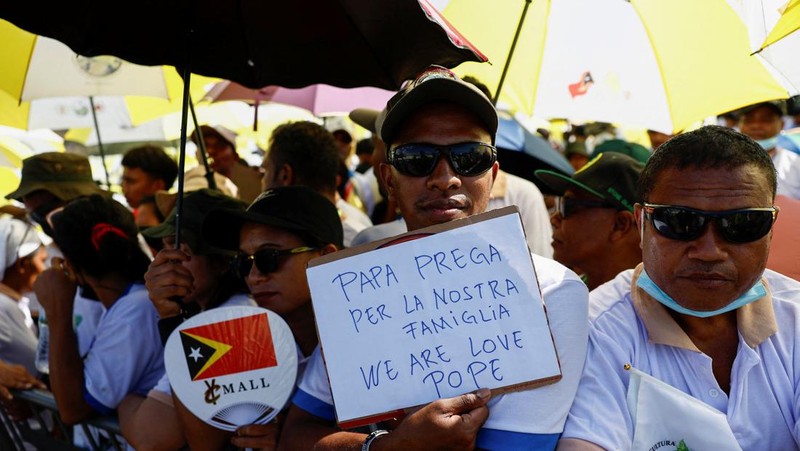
<point x="9" y="181"/>
<point x="655" y="64"/>
<point x="788" y="23"/>
<point x="36" y="67"/>
<point x="17" y="144"/>
<point x="12" y="152"/>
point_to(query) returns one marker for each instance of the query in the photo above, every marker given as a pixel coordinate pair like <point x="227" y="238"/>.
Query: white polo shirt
<point x="531" y="419"/>
<point x="762" y="409"/>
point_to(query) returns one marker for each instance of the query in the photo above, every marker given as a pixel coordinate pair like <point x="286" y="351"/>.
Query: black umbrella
<point x="345" y="43"/>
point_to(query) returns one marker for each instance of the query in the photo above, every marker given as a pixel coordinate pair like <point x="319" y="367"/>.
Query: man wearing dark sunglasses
<point x="594" y="230"/>
<point x="439" y="133"/>
<point x="701" y="313"/>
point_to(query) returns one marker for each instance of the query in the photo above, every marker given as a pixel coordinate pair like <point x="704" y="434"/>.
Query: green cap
<point x="65" y="175"/>
<point x="636" y="151"/>
<point x="610" y="176"/>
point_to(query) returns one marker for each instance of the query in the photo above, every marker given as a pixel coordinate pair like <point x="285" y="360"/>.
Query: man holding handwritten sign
<point x="441" y="168"/>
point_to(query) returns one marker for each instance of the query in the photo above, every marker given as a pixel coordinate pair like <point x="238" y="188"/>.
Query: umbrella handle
<point x="99" y="142"/>
<point x="511" y="51"/>
<point x="201" y="143"/>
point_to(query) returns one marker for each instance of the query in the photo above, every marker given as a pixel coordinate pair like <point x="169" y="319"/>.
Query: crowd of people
<point x="659" y="260"/>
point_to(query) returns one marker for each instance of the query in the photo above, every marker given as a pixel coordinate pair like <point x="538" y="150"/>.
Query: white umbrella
<point x="61" y="89"/>
<point x="781" y="56"/>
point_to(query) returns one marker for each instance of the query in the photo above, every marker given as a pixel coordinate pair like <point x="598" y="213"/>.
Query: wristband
<point x="371" y="438"/>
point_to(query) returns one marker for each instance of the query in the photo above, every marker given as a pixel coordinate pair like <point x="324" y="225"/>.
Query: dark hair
<point x="153" y="160"/>
<point x="311" y="152"/>
<point x="342" y="135"/>
<point x="98" y="235"/>
<point x="228" y="283"/>
<point x="479" y="84"/>
<point x="365" y="146"/>
<point x="712" y="146"/>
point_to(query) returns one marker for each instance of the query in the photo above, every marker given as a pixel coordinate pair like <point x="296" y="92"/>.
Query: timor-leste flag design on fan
<point x="229" y="347"/>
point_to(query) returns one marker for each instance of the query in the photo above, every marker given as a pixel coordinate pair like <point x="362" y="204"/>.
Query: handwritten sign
<point x="434" y="313"/>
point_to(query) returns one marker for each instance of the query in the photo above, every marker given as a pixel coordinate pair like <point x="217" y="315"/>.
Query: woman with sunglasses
<point x="276" y="237"/>
<point x="103" y="259"/>
<point x="194" y="278"/>
<point x="701" y="313"/>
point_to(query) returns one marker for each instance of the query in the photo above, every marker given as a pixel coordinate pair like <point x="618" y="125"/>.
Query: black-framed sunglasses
<point x="686" y="224"/>
<point x="566" y="206"/>
<point x="266" y="260"/>
<point x="419" y="159"/>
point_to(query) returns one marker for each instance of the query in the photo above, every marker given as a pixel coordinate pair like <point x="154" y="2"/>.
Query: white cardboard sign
<point x="406" y="321"/>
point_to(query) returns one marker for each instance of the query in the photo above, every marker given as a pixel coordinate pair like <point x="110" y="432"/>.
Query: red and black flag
<point x="229" y="347"/>
<point x="582" y="86"/>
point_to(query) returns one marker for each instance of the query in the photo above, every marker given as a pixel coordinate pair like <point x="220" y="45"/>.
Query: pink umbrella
<point x="320" y="99"/>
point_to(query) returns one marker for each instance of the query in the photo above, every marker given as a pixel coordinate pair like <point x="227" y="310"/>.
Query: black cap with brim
<point x="560" y="183"/>
<point x="196" y="206"/>
<point x="610" y="176"/>
<point x="779" y="106"/>
<point x="291" y="208"/>
<point x="365" y="117"/>
<point x="437" y="84"/>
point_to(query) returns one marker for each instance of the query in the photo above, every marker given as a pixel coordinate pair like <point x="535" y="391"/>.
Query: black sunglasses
<point x="266" y="260"/>
<point x="686" y="224"/>
<point x="566" y="206"/>
<point x="419" y="159"/>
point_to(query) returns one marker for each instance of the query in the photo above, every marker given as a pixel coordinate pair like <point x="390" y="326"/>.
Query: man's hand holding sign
<point x="451" y="312"/>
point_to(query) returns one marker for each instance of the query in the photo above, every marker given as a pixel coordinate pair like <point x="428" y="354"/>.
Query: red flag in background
<point x="581" y="87"/>
<point x="229" y="347"/>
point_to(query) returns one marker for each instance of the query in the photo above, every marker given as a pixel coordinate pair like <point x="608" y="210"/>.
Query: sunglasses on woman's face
<point x="686" y="224"/>
<point x="420" y="159"/>
<point x="266" y="260"/>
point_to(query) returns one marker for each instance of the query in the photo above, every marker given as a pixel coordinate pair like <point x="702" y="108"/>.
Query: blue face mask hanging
<point x="646" y="283"/>
<point x="768" y="143"/>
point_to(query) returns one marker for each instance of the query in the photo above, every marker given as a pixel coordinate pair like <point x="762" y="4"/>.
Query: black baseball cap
<point x="435" y="84"/>
<point x="294" y="208"/>
<point x="196" y="206"/>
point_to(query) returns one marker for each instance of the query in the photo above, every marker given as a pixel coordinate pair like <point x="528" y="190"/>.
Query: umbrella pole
<point x="182" y="156"/>
<point x="511" y="51"/>
<point x="99" y="142"/>
<point x="201" y="143"/>
<point x="255" y="116"/>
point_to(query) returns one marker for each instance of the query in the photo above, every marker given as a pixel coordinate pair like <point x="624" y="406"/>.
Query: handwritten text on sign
<point x="433" y="317"/>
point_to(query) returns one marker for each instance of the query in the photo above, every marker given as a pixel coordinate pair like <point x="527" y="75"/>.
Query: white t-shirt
<point x="787" y="164"/>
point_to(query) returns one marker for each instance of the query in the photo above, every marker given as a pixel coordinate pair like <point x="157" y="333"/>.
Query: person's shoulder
<point x="787" y="155"/>
<point x="552" y="273"/>
<point x="611" y="293"/>
<point x="516" y="182"/>
<point x="782" y="287"/>
<point x="379" y="231"/>
<point x="135" y="301"/>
